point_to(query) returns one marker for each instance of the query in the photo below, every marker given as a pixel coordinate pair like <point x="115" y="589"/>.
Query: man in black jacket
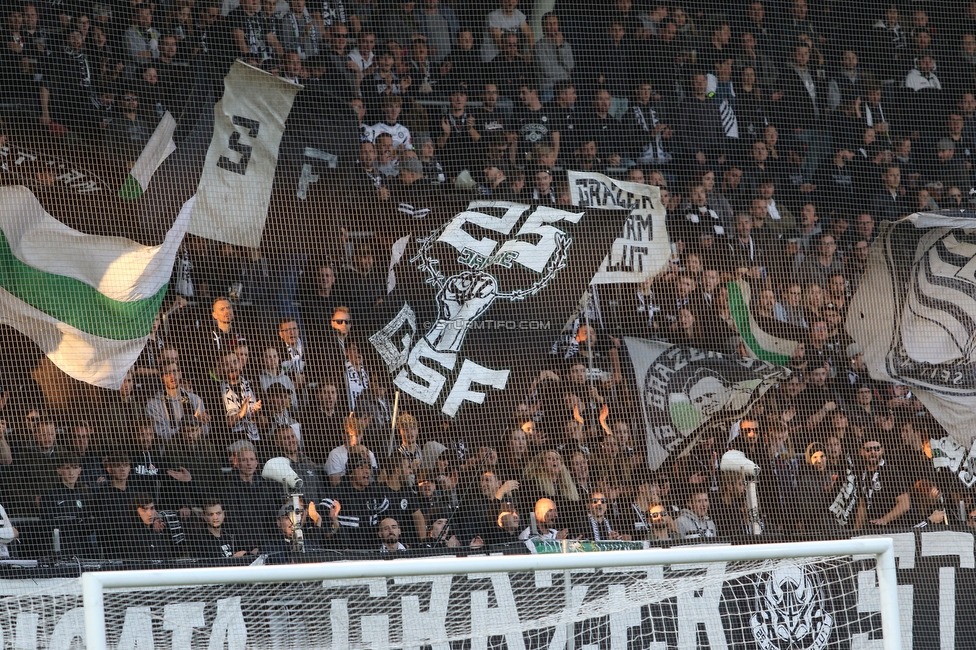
<point x="801" y="102"/>
<point x="701" y="133"/>
<point x="215" y="540"/>
<point x="149" y="537"/>
<point x="69" y="509"/>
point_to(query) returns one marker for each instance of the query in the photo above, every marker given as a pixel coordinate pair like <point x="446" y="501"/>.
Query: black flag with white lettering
<point x="496" y="280"/>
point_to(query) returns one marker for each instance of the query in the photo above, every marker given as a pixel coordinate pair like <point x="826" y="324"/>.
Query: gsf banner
<point x="784" y="605"/>
<point x="475" y="297"/>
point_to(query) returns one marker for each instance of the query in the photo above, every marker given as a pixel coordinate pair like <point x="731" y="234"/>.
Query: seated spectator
<point x="693" y="522"/>
<point x="648" y="517"/>
<point x="501" y="22"/>
<point x="459" y="133"/>
<point x="542" y="188"/>
<point x="192" y="450"/>
<point x="546" y="518"/>
<point x="215" y="539"/>
<point x="248" y="497"/>
<point x="439" y="24"/>
<point x="283" y="540"/>
<point x="885" y="490"/>
<point x="949" y="169"/>
<point x="272" y="373"/>
<point x="700" y="129"/>
<point x="34" y="469"/>
<point x="336" y="62"/>
<point x="286" y="445"/>
<point x="66" y="91"/>
<point x="401" y="138"/>
<point x="79" y="442"/>
<point x="510" y="69"/>
<point x="731" y="513"/>
<point x="336" y="465"/>
<point x="292" y="352"/>
<point x="141" y="38"/>
<point x="553" y="55"/>
<point x="361" y="504"/>
<point x="547" y="476"/>
<point x="389" y="534"/>
<point x="148" y="538"/>
<point x="464" y="67"/>
<point x="173" y="404"/>
<point x="152" y="472"/>
<point x="299" y="31"/>
<point x="506" y="529"/>
<point x="922" y="75"/>
<point x="240" y="403"/>
<point x="422" y="69"/>
<point x="385" y="82"/>
<point x="129" y="130"/>
<point x="70" y="508"/>
<point x="433" y="170"/>
<point x="596" y="524"/>
<point x="646" y="122"/>
<point x="112" y="500"/>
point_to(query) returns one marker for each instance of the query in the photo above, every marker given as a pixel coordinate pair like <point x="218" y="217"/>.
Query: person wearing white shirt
<point x="506" y="20"/>
<point x="362" y="56"/>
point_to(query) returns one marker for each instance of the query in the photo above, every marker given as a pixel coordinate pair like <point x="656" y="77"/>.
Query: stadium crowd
<point x="781" y="134"/>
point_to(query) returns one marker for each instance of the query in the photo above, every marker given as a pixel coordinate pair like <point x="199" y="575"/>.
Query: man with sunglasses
<point x="596" y="525"/>
<point x="884" y="489"/>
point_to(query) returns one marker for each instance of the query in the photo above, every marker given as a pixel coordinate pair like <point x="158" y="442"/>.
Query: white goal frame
<point x="93" y="584"/>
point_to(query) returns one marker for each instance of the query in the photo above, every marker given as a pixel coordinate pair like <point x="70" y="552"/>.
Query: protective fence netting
<point x="483" y="271"/>
<point x="770" y="604"/>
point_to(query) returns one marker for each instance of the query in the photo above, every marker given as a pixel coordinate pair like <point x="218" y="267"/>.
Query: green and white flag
<point x="765" y="340"/>
<point x="88" y="301"/>
<point x="158" y="149"/>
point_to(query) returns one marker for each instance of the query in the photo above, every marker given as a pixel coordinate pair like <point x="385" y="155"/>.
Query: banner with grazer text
<point x="789" y="605"/>
<point x="641" y="249"/>
<point x="684" y="390"/>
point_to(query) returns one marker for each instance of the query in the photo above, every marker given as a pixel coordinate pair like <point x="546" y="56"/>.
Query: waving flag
<point x="480" y="292"/>
<point x="684" y="391"/>
<point x="766" y="339"/>
<point x="914" y="315"/>
<point x="235" y="189"/>
<point x="157" y="150"/>
<point x="88" y="301"/>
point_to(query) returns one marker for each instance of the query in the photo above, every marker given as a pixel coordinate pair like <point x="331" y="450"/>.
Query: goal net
<point x="716" y="597"/>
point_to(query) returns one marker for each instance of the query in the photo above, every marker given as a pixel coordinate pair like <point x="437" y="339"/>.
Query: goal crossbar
<point x="93" y="584"/>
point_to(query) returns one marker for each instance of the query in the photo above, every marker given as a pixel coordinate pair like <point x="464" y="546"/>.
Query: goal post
<point x="95" y="584"/>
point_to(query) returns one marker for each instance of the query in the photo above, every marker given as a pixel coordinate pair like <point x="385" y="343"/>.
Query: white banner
<point x="914" y="315"/>
<point x="235" y="189"/>
<point x="642" y="250"/>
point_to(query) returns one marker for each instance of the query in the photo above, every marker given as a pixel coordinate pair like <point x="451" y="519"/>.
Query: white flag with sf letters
<point x="914" y="315"/>
<point x="235" y="188"/>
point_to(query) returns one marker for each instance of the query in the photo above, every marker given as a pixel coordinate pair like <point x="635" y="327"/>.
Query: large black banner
<point x="484" y="293"/>
<point x="832" y="603"/>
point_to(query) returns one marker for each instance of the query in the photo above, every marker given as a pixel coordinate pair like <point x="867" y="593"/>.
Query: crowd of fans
<point x="780" y="134"/>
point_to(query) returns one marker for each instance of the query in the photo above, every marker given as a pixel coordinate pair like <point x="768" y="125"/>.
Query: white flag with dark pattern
<point x="914" y="314"/>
